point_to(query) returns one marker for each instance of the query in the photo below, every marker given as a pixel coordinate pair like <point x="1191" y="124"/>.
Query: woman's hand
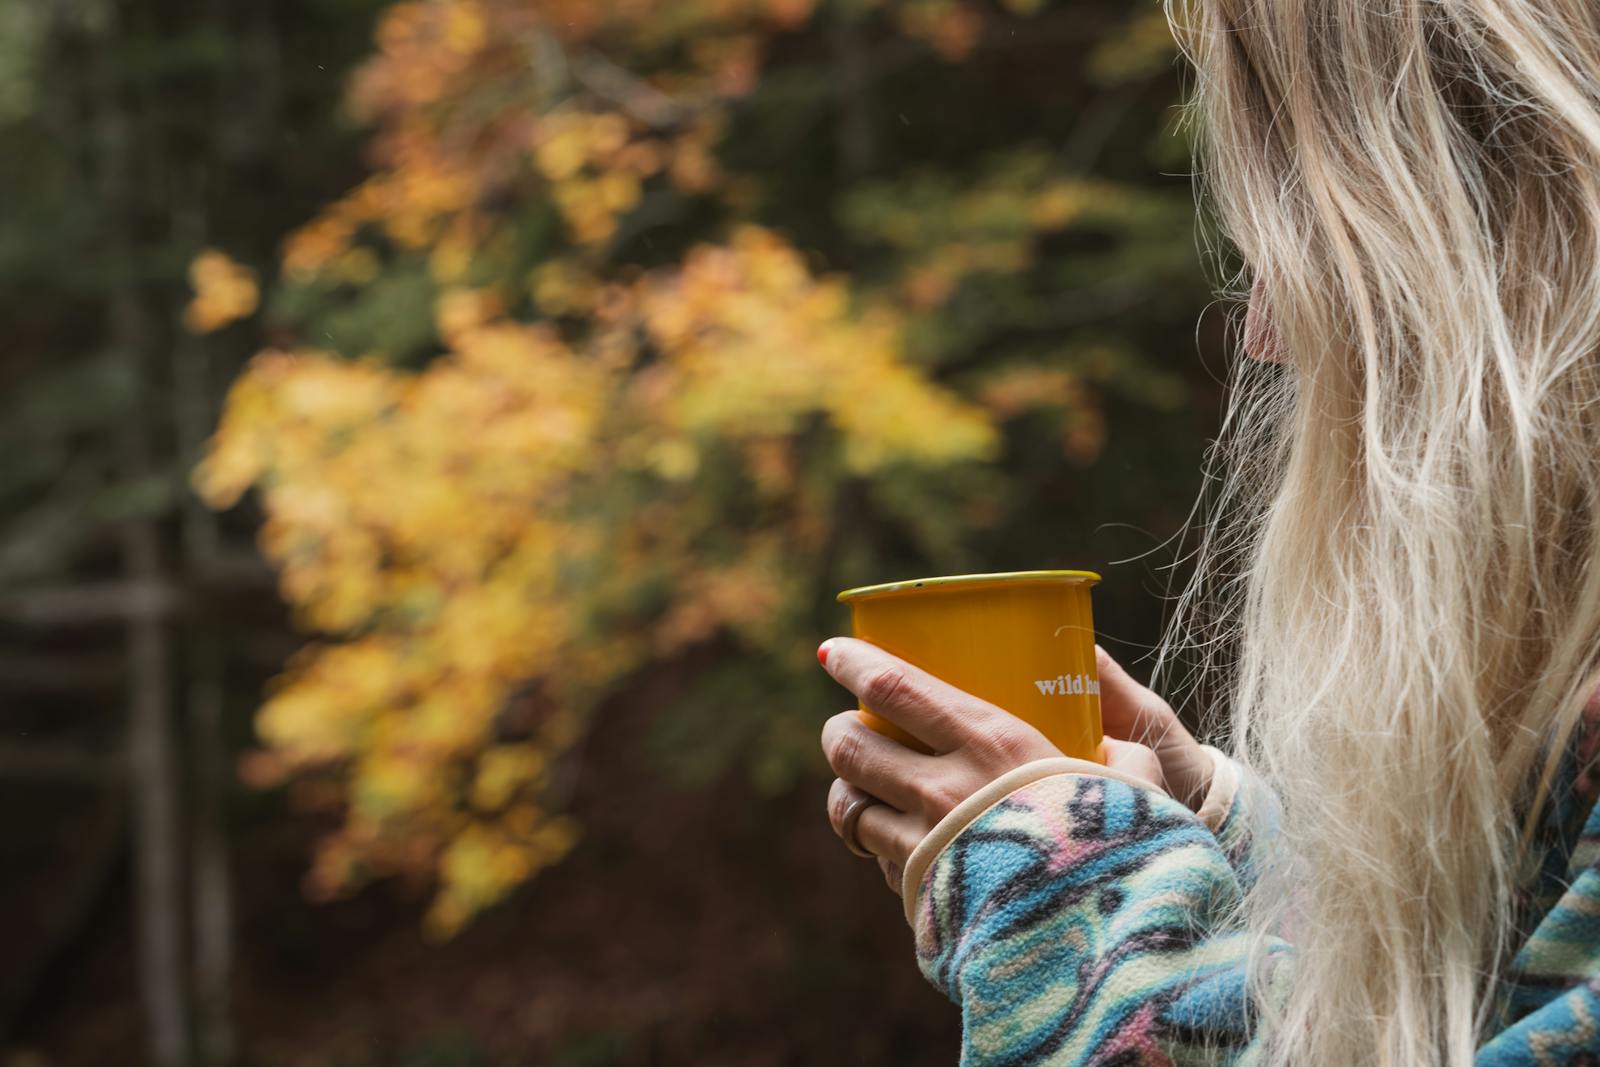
<point x="1131" y="712"/>
<point x="973" y="743"/>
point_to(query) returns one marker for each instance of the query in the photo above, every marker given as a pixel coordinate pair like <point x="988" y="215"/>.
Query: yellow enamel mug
<point x="1023" y="641"/>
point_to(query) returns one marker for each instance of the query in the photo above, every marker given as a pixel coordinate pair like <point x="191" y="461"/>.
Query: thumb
<point x="1134" y="759"/>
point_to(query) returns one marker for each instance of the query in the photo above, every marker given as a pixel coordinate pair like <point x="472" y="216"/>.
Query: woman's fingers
<point x="893" y="874"/>
<point x="1134" y="759"/>
<point x="888" y="834"/>
<point x="910" y="792"/>
<point x="933" y="711"/>
<point x="882" y="767"/>
<point x="1128" y="710"/>
<point x="1131" y="712"/>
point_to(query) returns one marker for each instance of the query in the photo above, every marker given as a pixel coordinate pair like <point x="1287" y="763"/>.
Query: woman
<point x="1397" y="862"/>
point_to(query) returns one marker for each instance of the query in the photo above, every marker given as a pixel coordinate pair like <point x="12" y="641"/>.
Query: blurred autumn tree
<point x="654" y="324"/>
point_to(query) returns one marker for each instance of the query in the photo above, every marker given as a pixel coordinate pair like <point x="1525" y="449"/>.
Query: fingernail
<point x="822" y="652"/>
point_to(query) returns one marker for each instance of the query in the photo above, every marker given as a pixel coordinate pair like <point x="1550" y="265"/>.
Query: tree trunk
<point x="854" y="137"/>
<point x="212" y="930"/>
<point x="152" y="761"/>
<point x="154" y="776"/>
<point x="213" y="894"/>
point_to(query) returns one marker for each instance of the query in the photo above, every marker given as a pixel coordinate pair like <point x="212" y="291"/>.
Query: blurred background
<point x="434" y="434"/>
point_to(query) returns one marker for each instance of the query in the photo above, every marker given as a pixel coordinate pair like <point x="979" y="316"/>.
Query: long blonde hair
<point x="1396" y="572"/>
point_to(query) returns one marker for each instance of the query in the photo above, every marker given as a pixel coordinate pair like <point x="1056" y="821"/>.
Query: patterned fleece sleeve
<point x="1077" y="916"/>
<point x="1234" y="810"/>
<point x="1554" y="995"/>
<point x="1085" y="919"/>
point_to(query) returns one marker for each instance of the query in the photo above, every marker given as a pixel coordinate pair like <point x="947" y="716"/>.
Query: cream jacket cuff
<point x="1213" y="809"/>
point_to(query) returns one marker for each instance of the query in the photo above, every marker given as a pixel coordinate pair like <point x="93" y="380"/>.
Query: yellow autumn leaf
<point x="224" y="292"/>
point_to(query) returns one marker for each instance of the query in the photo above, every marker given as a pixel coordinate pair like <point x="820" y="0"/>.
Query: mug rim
<point x="999" y="578"/>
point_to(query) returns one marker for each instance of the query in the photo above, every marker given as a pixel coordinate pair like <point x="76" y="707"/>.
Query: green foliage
<point x="124" y="131"/>
<point x="22" y="28"/>
<point x="604" y="1048"/>
<point x="458" y="1051"/>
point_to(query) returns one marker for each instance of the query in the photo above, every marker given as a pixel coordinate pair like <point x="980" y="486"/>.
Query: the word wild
<point x="1068" y="685"/>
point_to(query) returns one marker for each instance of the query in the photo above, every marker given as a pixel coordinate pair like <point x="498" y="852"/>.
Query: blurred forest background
<point x="434" y="434"/>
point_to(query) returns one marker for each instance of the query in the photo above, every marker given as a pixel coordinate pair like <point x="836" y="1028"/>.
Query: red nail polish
<point x="822" y="654"/>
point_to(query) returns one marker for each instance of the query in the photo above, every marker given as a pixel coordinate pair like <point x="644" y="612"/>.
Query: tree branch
<point x="58" y="763"/>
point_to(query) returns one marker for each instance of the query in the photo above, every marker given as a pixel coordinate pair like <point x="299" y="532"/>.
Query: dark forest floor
<point x="708" y="927"/>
